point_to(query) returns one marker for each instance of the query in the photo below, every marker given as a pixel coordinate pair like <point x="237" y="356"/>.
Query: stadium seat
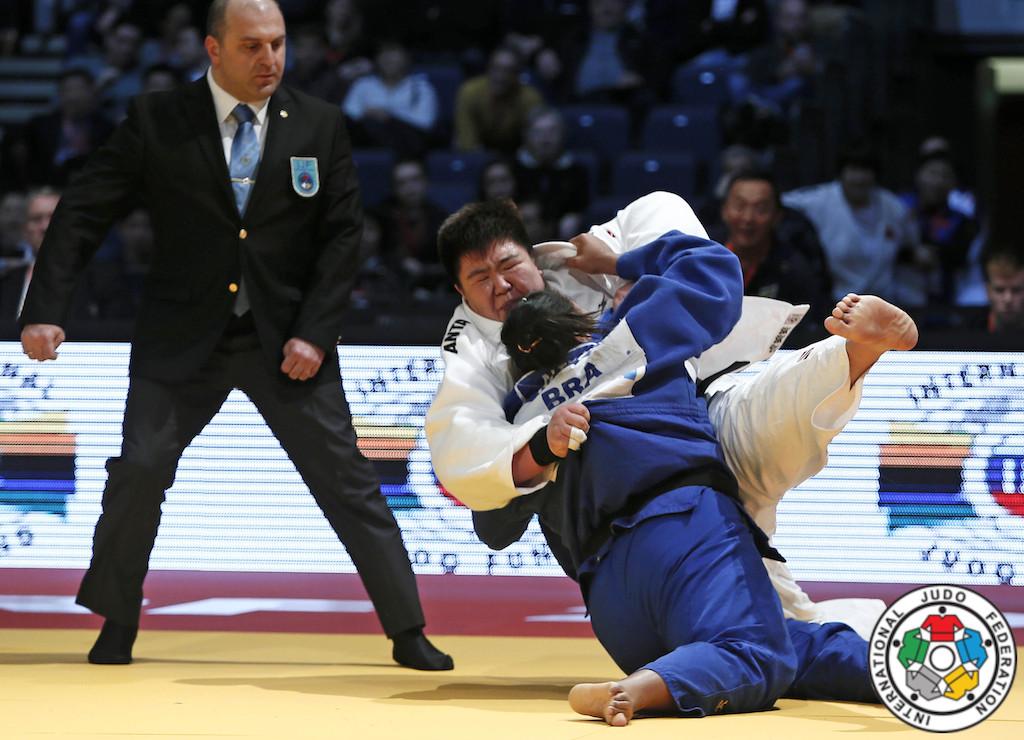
<point x="446" y="79"/>
<point x="373" y="166"/>
<point x="595" y="169"/>
<point x="447" y="166"/>
<point x="601" y="128"/>
<point x="639" y="172"/>
<point x="451" y="196"/>
<point x="601" y="210"/>
<point x="699" y="86"/>
<point x="692" y="128"/>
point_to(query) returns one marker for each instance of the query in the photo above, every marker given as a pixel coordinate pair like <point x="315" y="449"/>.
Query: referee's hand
<point x="40" y="341"/>
<point x="301" y="359"/>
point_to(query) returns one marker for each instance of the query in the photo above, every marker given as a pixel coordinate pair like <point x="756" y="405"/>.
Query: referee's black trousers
<point x="314" y="426"/>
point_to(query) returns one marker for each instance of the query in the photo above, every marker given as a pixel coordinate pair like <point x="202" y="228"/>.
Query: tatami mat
<point x="198" y="684"/>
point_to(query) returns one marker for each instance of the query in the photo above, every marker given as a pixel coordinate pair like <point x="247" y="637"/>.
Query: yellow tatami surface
<point x="270" y="685"/>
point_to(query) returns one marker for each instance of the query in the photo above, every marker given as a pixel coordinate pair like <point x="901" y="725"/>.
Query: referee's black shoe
<point x="413" y="650"/>
<point x="114" y="645"/>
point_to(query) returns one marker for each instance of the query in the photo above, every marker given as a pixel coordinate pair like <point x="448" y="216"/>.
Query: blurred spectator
<point x="546" y="172"/>
<point x="782" y="72"/>
<point x="1004" y="287"/>
<point x="732" y="160"/>
<point x="190" y="56"/>
<point x="116" y="72"/>
<point x="157" y="17"/>
<point x="718" y="33"/>
<point x="498" y="180"/>
<point x="136" y="234"/>
<point x="23" y="17"/>
<point x="343" y="27"/>
<point x="716" y="36"/>
<point x="794" y="228"/>
<point x="88" y="20"/>
<point x="376" y="282"/>
<point x="768" y="81"/>
<point x="539" y="228"/>
<point x="398" y="19"/>
<point x="946" y="233"/>
<point x="864" y="229"/>
<point x="310" y="70"/>
<point x="39" y="205"/>
<point x="457" y="31"/>
<point x="12" y="25"/>
<point x="392" y="108"/>
<point x="532" y="27"/>
<point x="13" y="211"/>
<point x="970" y="289"/>
<point x="772" y="266"/>
<point x="608" y="59"/>
<point x="348" y="49"/>
<point x="52" y="146"/>
<point x="491" y="108"/>
<point x="667" y="23"/>
<point x="111" y="289"/>
<point x="93" y="18"/>
<point x="960" y="198"/>
<point x="539" y="20"/>
<point x="162" y="48"/>
<point x="160" y="77"/>
<point x="409" y="222"/>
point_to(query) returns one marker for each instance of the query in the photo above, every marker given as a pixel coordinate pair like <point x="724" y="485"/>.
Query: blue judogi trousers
<point x="685" y="594"/>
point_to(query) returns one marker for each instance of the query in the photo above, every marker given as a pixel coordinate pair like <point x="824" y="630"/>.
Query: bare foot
<point x="616" y="701"/>
<point x="607" y="701"/>
<point x="872" y="321"/>
<point x="871" y="327"/>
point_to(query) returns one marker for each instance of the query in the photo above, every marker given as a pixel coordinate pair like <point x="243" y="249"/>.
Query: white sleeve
<point x="641" y="222"/>
<point x="471" y="443"/>
<point x="650" y="217"/>
<point x="763" y="327"/>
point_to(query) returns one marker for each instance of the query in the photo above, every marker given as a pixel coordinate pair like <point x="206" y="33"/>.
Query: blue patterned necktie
<point x="245" y="155"/>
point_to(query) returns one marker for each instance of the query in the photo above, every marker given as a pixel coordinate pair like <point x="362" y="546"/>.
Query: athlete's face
<point x="492" y="282"/>
<point x="249" y="60"/>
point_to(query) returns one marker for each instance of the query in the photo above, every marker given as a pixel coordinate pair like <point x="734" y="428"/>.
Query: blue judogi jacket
<point x="650" y="440"/>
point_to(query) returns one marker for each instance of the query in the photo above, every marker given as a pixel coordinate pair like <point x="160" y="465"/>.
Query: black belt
<point x="721" y="480"/>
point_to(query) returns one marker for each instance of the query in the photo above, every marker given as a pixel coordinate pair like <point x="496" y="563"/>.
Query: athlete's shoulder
<point x="461" y="334"/>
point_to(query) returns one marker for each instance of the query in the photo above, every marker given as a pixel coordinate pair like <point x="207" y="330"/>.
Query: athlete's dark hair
<point x="541" y="329"/>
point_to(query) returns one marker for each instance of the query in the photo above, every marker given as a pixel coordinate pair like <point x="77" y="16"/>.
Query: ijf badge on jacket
<point x="305" y="176"/>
